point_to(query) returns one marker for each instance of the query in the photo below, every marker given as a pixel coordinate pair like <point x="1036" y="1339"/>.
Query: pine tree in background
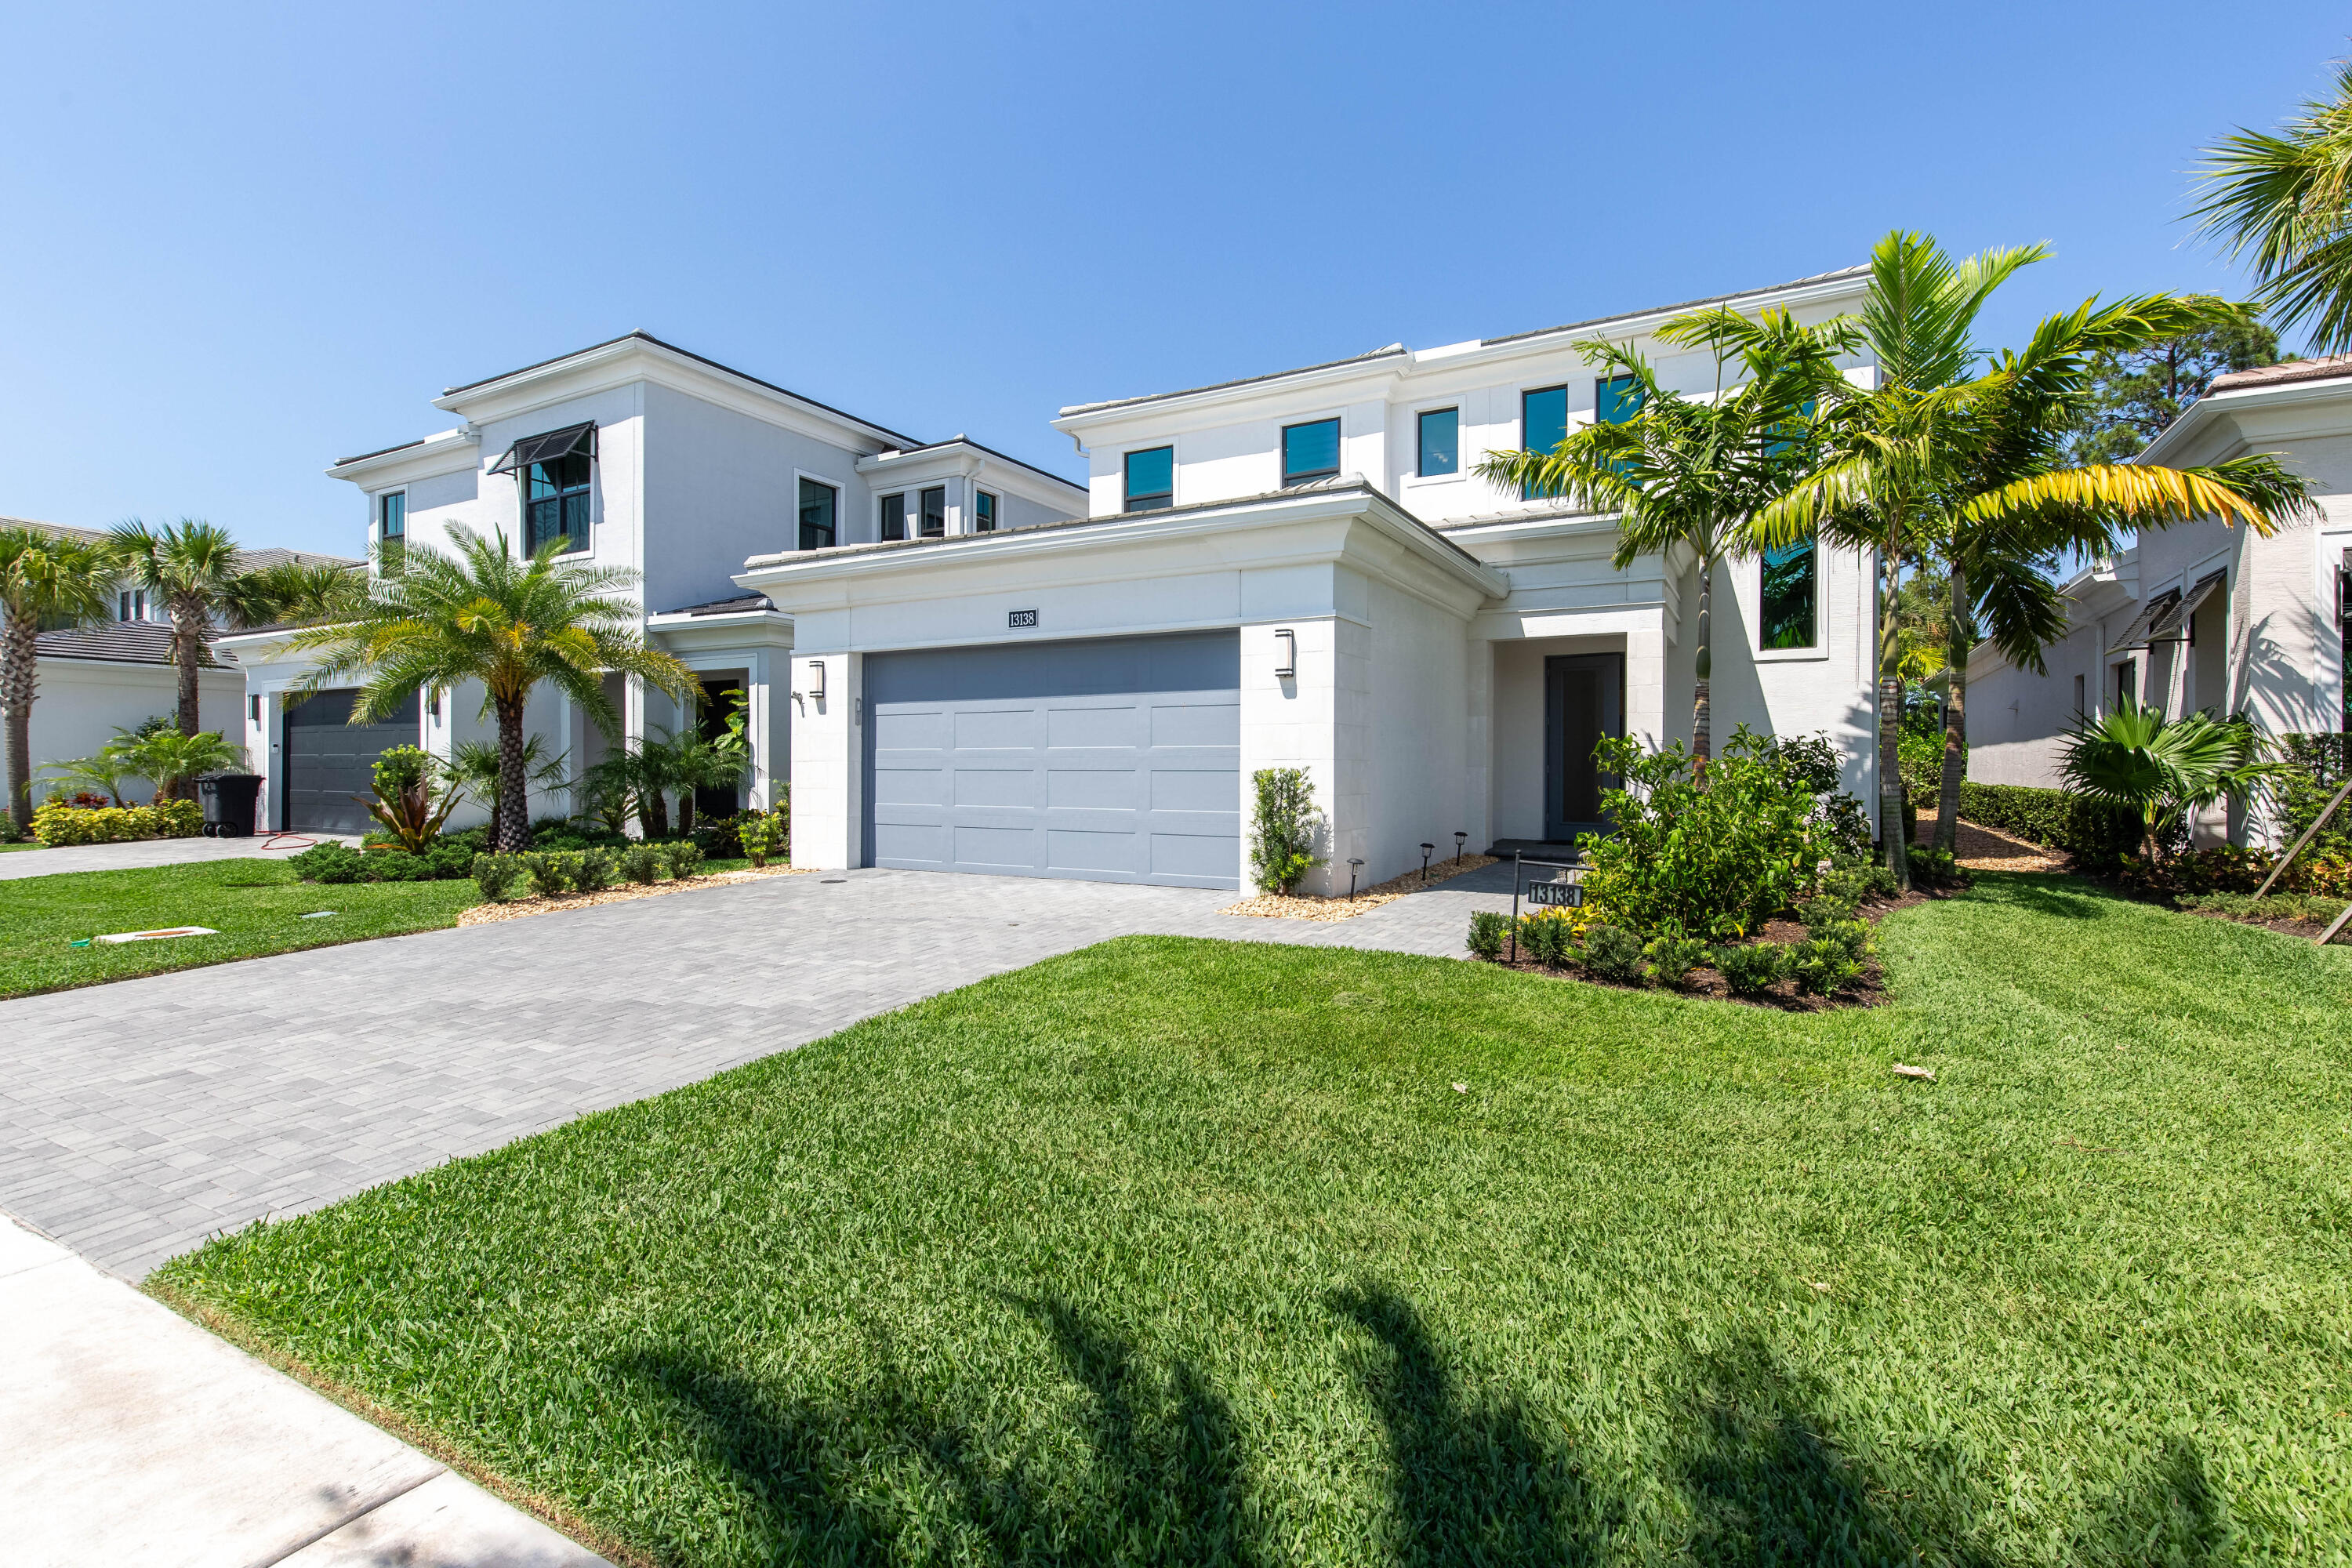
<point x="2138" y="393"/>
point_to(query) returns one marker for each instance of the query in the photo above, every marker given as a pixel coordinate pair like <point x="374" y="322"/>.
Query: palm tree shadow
<point x="2170" y="1513"/>
<point x="1469" y="1484"/>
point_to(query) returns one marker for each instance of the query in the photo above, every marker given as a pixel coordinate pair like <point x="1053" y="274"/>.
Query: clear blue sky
<point x="240" y="242"/>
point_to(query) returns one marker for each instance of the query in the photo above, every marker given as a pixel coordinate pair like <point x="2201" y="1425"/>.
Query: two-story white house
<point x="2203" y="615"/>
<point x="1297" y="569"/>
<point x="639" y="455"/>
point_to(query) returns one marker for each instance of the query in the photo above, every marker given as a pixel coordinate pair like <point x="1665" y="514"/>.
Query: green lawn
<point x="1177" y="1250"/>
<point x="255" y="905"/>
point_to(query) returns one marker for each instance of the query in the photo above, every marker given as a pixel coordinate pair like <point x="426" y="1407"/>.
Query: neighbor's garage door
<point x="1117" y="759"/>
<point x="329" y="763"/>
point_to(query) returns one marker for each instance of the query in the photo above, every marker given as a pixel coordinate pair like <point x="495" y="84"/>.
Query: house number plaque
<point x="1020" y="617"/>
<point x="1556" y="895"/>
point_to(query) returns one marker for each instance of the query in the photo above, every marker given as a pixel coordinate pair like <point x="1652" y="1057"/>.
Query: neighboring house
<point x="1295" y="569"/>
<point x="634" y="453"/>
<point x="93" y="681"/>
<point x="2201" y="615"/>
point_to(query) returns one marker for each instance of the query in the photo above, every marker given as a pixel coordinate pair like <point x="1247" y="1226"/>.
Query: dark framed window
<point x="1438" y="437"/>
<point x="1792" y="592"/>
<point x="1543" y="424"/>
<point x="1616" y="399"/>
<point x="555" y="503"/>
<point x="391" y="529"/>
<point x="894" y="516"/>
<point x="2126" y="681"/>
<point x="820" y="515"/>
<point x="1150" y="479"/>
<point x="132" y="605"/>
<point x="935" y="511"/>
<point x="1310" y="451"/>
<point x="983" y="512"/>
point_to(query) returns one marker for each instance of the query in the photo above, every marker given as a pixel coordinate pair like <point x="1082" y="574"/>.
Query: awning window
<point x="563" y="443"/>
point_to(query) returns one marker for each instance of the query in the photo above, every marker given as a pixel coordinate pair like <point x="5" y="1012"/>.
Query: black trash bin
<point x="230" y="800"/>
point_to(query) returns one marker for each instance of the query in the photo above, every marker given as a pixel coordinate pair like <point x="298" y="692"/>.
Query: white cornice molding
<point x="448" y="452"/>
<point x="2209" y="411"/>
<point x="1389" y="367"/>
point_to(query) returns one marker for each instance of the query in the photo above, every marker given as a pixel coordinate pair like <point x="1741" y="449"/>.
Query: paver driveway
<point x="137" y="1118"/>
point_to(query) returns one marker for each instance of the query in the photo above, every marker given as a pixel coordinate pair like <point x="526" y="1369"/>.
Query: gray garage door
<point x="329" y="762"/>
<point x="1117" y="759"/>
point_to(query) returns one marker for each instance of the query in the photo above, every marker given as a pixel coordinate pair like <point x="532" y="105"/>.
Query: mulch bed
<point x="620" y="893"/>
<point x="1869" y="991"/>
<point x="1299" y="907"/>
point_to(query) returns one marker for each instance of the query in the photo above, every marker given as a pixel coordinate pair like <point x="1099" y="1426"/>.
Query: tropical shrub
<point x="1284" y="829"/>
<point x="1548" y="937"/>
<point x="550" y="870"/>
<point x="760" y="834"/>
<point x="1671" y="958"/>
<point x="1852" y="937"/>
<point x="1613" y="953"/>
<point x="597" y="869"/>
<point x="1489" y="932"/>
<point x="1935" y="868"/>
<point x="684" y="861"/>
<point x="328" y="862"/>
<point x="171" y="761"/>
<point x="1822" y="967"/>
<point x="1714" y="861"/>
<point x="497" y="875"/>
<point x="2098" y="835"/>
<point x="642" y="863"/>
<point x="2311" y="907"/>
<point x="57" y="823"/>
<point x="2311" y="769"/>
<point x="1751" y="970"/>
<point x="2159" y="769"/>
<point x="412" y="799"/>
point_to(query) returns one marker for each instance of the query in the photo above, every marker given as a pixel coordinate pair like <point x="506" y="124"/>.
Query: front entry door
<point x="1584" y="700"/>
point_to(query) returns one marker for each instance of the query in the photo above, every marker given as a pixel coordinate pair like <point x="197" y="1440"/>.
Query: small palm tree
<point x="473" y="766"/>
<point x="194" y="569"/>
<point x="1692" y="471"/>
<point x="512" y="623"/>
<point x="45" y="582"/>
<point x="173" y="761"/>
<point x="2130" y="756"/>
<point x="2287" y="198"/>
<point x="101" y="774"/>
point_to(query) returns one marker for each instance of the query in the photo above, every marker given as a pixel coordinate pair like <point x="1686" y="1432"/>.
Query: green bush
<point x="1822" y="967"/>
<point x="1935" y="868"/>
<point x="1824" y="907"/>
<point x="760" y="834"/>
<point x="446" y="859"/>
<point x="596" y="869"/>
<point x="2099" y="836"/>
<point x="1714" y="862"/>
<point x="1548" y="938"/>
<point x="642" y="863"/>
<point x="1671" y="958"/>
<point x="58" y="825"/>
<point x="550" y="870"/>
<point x="1283" y="829"/>
<point x="497" y="875"/>
<point x="683" y="860"/>
<point x="1613" y="952"/>
<point x="1853" y="938"/>
<point x="1752" y="969"/>
<point x="1879" y="882"/>
<point x="2312" y="768"/>
<point x="2311" y="907"/>
<point x="1489" y="932"/>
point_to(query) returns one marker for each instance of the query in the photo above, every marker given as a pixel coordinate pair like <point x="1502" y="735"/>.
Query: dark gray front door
<point x="1583" y="700"/>
<point x="1111" y="759"/>
<point x="329" y="763"/>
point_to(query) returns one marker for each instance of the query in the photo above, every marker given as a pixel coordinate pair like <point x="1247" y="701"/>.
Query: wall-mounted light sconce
<point x="1288" y="668"/>
<point x="816" y="679"/>
<point x="433" y="704"/>
<point x="256" y="710"/>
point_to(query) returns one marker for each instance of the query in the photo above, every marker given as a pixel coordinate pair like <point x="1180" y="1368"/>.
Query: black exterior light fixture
<point x="1426" y="851"/>
<point x="1459" y="840"/>
<point x="1288" y="668"/>
<point x="1353" y="865"/>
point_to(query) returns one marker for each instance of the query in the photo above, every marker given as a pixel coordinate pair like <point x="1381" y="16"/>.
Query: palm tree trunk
<point x="1956" y="714"/>
<point x="513" y="815"/>
<point x="188" y="652"/>
<point x="1702" y="704"/>
<point x="686" y="809"/>
<point x="20" y="671"/>
<point x="1895" y="853"/>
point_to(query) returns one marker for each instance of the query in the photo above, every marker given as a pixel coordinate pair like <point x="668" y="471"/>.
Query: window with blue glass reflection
<point x="1440" y="442"/>
<point x="1310" y="451"/>
<point x="1616" y="399"/>
<point x="1543" y="424"/>
<point x="1790" y="582"/>
<point x="1151" y="478"/>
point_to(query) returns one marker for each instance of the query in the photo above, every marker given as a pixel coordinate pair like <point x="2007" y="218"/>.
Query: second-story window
<point x="1543" y="424"/>
<point x="1440" y="442"/>
<point x="1309" y="452"/>
<point x="983" y="512"/>
<point x="132" y="605"/>
<point x="1790" y="589"/>
<point x="391" y="529"/>
<point x="1616" y="399"/>
<point x="819" y="505"/>
<point x="1151" y="478"/>
<point x="555" y="504"/>
<point x="935" y="511"/>
<point x="894" y="516"/>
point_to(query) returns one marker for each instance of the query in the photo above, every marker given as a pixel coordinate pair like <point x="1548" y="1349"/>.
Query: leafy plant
<point x="759" y="834"/>
<point x="2160" y="770"/>
<point x="1935" y="868"/>
<point x="1753" y="968"/>
<point x="684" y="860"/>
<point x="497" y="875"/>
<point x="642" y="863"/>
<point x="1548" y="937"/>
<point x="1488" y="932"/>
<point x="410" y="799"/>
<point x="473" y="766"/>
<point x="58" y="825"/>
<point x="104" y="772"/>
<point x="1822" y="967"/>
<point x="330" y="862"/>
<point x="171" y="761"/>
<point x="1613" y="953"/>
<point x="1671" y="959"/>
<point x="596" y="869"/>
<point x="550" y="870"/>
<point x="1853" y="937"/>
<point x="1284" y="829"/>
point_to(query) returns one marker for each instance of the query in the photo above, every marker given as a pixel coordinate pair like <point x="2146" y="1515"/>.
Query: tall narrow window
<point x="1785" y="616"/>
<point x="1310" y="451"/>
<point x="555" y="504"/>
<point x="1616" y="399"/>
<point x="894" y="516"/>
<point x="391" y="529"/>
<point x="2126" y="681"/>
<point x="1440" y="434"/>
<point x="820" y="503"/>
<point x="983" y="512"/>
<point x="935" y="513"/>
<point x="1151" y="479"/>
<point x="1543" y="424"/>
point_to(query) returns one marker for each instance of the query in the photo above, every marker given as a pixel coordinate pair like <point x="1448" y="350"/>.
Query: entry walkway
<point x="157" y="852"/>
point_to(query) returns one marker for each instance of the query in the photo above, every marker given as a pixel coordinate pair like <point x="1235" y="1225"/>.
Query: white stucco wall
<point x="79" y="704"/>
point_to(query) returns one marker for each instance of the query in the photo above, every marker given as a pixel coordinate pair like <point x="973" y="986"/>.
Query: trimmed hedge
<point x="60" y="824"/>
<point x="2095" y="833"/>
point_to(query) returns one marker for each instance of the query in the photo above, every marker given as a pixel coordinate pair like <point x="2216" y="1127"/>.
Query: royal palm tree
<point x="2286" y="197"/>
<point x="1690" y="471"/>
<point x="194" y="568"/>
<point x="45" y="582"/>
<point x="483" y="614"/>
<point x="1944" y="459"/>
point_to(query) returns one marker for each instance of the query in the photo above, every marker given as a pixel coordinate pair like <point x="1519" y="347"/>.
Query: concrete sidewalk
<point x="134" y="1437"/>
<point x="157" y="852"/>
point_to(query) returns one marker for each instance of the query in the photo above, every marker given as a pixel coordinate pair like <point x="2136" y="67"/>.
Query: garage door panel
<point x="329" y="762"/>
<point x="1111" y="759"/>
